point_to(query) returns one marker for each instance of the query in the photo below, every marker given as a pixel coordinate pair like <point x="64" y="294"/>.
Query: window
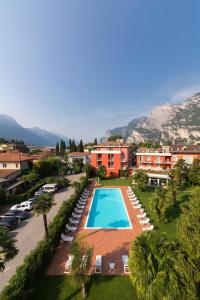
<point x="110" y="157"/>
<point x="17" y="165"/>
<point x="110" y="164"/>
<point x="99" y="163"/>
<point x="4" y="165"/>
<point x="158" y="160"/>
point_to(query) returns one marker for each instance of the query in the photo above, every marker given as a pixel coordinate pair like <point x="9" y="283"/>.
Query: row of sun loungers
<point x="75" y="217"/>
<point x="98" y="264"/>
<point x="143" y="219"/>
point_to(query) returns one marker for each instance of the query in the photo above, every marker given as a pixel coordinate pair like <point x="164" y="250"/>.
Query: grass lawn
<point x="144" y="197"/>
<point x="100" y="288"/>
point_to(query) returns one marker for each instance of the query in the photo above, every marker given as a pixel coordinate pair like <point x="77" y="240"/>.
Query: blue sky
<point x="79" y="67"/>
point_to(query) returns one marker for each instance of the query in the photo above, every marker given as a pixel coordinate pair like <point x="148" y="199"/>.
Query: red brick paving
<point x="111" y="244"/>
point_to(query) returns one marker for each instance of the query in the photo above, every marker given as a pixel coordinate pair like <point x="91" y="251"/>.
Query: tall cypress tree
<point x="81" y="148"/>
<point x="57" y="149"/>
<point x="95" y="141"/>
<point x="70" y="145"/>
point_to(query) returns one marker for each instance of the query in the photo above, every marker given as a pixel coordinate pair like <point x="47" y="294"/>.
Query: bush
<point x="21" y="285"/>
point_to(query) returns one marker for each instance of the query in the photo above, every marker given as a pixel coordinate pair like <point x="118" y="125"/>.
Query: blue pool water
<point x="108" y="210"/>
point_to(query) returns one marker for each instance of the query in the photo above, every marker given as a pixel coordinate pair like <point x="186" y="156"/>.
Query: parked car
<point x="39" y="193"/>
<point x="32" y="199"/>
<point x="49" y="188"/>
<point x="24" y="206"/>
<point x="8" y="222"/>
<point x="20" y="215"/>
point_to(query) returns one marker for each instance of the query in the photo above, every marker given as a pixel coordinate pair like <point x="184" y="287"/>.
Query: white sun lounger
<point x="81" y="201"/>
<point x="146" y="221"/>
<point x="125" y="263"/>
<point x="135" y="202"/>
<point x="80" y="206"/>
<point x="98" y="264"/>
<point x="148" y="228"/>
<point x="70" y="228"/>
<point x="141" y="216"/>
<point x="65" y="238"/>
<point x="78" y="211"/>
<point x="132" y="197"/>
<point x="77" y="216"/>
<point x="137" y="206"/>
<point x="73" y="221"/>
<point x="68" y="264"/>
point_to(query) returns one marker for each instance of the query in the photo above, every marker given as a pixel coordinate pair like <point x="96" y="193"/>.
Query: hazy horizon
<point x="79" y="68"/>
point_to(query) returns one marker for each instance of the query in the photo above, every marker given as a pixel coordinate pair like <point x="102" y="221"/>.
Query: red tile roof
<point x="78" y="154"/>
<point x="6" y="173"/>
<point x="14" y="157"/>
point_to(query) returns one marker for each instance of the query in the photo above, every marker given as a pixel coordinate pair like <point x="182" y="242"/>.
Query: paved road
<point x="30" y="231"/>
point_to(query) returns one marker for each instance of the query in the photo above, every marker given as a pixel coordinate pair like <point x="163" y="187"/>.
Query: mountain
<point x="167" y="122"/>
<point x="10" y="129"/>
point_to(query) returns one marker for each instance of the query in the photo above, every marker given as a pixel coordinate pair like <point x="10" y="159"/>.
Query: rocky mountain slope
<point x="174" y="122"/>
<point x="10" y="129"/>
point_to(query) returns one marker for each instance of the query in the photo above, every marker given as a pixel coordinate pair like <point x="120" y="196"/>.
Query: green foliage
<point x="57" y="149"/>
<point x="26" y="278"/>
<point x="113" y="138"/>
<point x="194" y="172"/>
<point x="101" y="172"/>
<point x="62" y="148"/>
<point x="159" y="204"/>
<point x="123" y="173"/>
<point x="141" y="179"/>
<point x="180" y="173"/>
<point x="43" y="204"/>
<point x="47" y="167"/>
<point x="80" y="248"/>
<point x="153" y="269"/>
<point x="7" y="247"/>
<point x="89" y="170"/>
<point x="77" y="165"/>
<point x="80" y="147"/>
<point x="72" y="146"/>
<point x="95" y="141"/>
<point x="2" y="195"/>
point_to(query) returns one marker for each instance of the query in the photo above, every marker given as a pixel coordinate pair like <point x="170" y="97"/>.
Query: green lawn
<point x="117" y="181"/>
<point x="100" y="288"/>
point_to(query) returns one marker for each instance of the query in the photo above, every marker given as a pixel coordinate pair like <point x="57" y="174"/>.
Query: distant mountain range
<point x="167" y="122"/>
<point x="10" y="129"/>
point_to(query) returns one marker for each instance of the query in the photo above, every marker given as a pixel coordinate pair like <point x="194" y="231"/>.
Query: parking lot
<point x="30" y="231"/>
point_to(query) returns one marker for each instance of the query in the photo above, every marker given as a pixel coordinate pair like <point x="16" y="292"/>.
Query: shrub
<point x="21" y="285"/>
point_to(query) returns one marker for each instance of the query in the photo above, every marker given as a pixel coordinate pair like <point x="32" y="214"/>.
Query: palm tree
<point x="151" y="263"/>
<point x="172" y="188"/>
<point x="7" y="247"/>
<point x="180" y="173"/>
<point x="79" y="248"/>
<point x="159" y="203"/>
<point x="42" y="206"/>
<point x="141" y="178"/>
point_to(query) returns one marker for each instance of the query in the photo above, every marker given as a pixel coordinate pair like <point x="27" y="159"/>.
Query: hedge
<point x="22" y="284"/>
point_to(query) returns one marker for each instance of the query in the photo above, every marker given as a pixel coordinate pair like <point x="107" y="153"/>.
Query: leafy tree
<point x="63" y="171"/>
<point x="7" y="247"/>
<point x="57" y="149"/>
<point x="194" y="172"/>
<point x="152" y="265"/>
<point x="88" y="170"/>
<point x="78" y="165"/>
<point x="172" y="188"/>
<point x="42" y="206"/>
<point x="189" y="235"/>
<point x="79" y="248"/>
<point x="77" y="187"/>
<point x="47" y="167"/>
<point x="159" y="204"/>
<point x="180" y="173"/>
<point x="101" y="172"/>
<point x="113" y="138"/>
<point x="141" y="179"/>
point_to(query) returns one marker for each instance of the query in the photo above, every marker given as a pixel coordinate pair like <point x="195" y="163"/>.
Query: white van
<point x="49" y="188"/>
<point x="24" y="206"/>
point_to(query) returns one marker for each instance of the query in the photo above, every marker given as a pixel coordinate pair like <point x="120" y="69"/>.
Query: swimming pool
<point x="108" y="210"/>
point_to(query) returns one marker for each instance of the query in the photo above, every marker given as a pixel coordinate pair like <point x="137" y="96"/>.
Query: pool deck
<point x="111" y="244"/>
